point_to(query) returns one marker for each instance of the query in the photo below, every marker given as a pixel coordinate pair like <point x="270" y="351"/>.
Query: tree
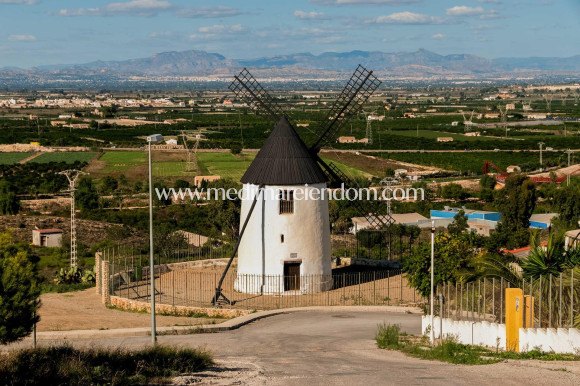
<point x="9" y="202"/>
<point x="453" y="191"/>
<point x="236" y="148"/>
<point x="19" y="291"/>
<point x="109" y="184"/>
<point x="86" y="196"/>
<point x="487" y="182"/>
<point x="516" y="201"/>
<point x="459" y="224"/>
<point x="567" y="204"/>
<point x="452" y="255"/>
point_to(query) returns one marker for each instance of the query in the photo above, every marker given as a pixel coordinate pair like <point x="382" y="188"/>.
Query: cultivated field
<point x="12" y="158"/>
<point x="68" y="157"/>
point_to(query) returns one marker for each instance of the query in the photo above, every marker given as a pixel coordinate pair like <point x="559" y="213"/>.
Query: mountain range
<point x="195" y="63"/>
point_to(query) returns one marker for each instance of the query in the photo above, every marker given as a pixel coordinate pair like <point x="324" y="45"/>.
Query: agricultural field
<point x="67" y="157"/>
<point x="226" y="165"/>
<point x="432" y="134"/>
<point x="119" y="161"/>
<point x="12" y="158"/>
<point x="472" y="162"/>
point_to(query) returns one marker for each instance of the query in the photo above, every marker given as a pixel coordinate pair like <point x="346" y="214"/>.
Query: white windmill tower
<point x="283" y="234"/>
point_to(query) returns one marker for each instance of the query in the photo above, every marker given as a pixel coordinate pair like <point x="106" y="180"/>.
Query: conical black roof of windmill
<point x="284" y="160"/>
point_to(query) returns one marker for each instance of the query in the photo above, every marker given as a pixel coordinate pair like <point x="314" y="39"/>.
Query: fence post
<point x="106" y="294"/>
<point x="359" y="298"/>
<point x="540" y="303"/>
<point x="374" y="288"/>
<point x="98" y="279"/>
<point x="572" y="298"/>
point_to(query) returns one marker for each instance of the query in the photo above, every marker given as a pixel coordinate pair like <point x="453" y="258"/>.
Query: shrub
<point x="67" y="365"/>
<point x="388" y="336"/>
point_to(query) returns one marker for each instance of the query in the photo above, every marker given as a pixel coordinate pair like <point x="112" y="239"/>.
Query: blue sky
<point x="37" y="32"/>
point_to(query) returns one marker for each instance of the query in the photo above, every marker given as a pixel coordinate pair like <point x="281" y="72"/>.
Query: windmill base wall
<point x="275" y="285"/>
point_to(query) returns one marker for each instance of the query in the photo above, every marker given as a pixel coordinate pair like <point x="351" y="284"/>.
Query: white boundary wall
<point x="558" y="340"/>
<point x="476" y="333"/>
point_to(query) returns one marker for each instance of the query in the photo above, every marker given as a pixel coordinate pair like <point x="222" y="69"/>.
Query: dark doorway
<point x="291" y="276"/>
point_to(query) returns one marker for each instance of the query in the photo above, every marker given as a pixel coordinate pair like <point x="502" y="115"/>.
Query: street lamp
<point x="432" y="333"/>
<point x="152" y="139"/>
<point x="541" y="164"/>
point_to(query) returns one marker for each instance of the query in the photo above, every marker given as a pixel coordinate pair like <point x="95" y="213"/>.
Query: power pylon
<point x="72" y="177"/>
<point x="369" y="132"/>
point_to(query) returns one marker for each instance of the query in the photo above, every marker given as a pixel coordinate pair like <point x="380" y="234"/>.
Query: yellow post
<point x="514" y="313"/>
<point x="528" y="311"/>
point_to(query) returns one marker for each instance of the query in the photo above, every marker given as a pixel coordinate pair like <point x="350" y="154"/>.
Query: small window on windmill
<point x="282" y="239"/>
<point x="286" y="201"/>
<point x="293" y="255"/>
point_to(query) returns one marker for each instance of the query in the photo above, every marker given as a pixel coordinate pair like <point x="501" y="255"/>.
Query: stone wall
<point x="167" y="309"/>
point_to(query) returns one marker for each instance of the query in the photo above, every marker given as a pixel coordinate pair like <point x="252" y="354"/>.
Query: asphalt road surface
<point x="337" y="348"/>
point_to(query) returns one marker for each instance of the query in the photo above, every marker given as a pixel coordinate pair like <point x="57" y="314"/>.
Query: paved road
<point x="335" y="348"/>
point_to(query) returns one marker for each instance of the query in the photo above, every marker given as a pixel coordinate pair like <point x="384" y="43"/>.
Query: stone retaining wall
<point x="136" y="305"/>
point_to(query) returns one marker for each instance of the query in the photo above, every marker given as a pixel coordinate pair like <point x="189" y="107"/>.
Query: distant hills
<point x="421" y="64"/>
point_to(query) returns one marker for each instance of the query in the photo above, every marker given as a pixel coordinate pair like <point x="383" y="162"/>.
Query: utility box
<point x="514" y="318"/>
<point x="51" y="238"/>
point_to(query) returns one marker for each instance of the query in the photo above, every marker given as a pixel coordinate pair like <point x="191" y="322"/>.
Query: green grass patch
<point x="122" y="160"/>
<point x="347" y="169"/>
<point x="12" y="158"/>
<point x="66" y="365"/>
<point x="226" y="165"/>
<point x="68" y="157"/>
<point x="449" y="350"/>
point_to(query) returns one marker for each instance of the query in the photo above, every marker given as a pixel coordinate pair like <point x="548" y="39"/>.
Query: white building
<point x="286" y="244"/>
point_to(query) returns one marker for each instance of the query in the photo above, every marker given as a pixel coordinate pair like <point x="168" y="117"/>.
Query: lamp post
<point x="432" y="333"/>
<point x="152" y="139"/>
<point x="541" y="163"/>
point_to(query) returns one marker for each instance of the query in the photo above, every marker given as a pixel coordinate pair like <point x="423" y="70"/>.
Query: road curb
<point x="228" y="325"/>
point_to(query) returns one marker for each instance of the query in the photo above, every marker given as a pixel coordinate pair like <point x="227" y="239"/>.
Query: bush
<point x="74" y="275"/>
<point x="19" y="291"/>
<point x="67" y="365"/>
<point x="388" y="336"/>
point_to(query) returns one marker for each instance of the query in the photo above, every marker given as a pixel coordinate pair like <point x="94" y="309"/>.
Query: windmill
<point x="191" y="153"/>
<point x="293" y="236"/>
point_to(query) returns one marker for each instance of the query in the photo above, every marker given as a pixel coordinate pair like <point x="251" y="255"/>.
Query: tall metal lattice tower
<point x="72" y="177"/>
<point x="369" y="131"/>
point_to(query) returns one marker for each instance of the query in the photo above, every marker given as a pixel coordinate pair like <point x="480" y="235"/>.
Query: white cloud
<point x="134" y="8"/>
<point x="207" y="12"/>
<point x="438" y="36"/>
<point x="406" y="18"/>
<point x="465" y="11"/>
<point x="363" y="2"/>
<point x="22" y="38"/>
<point x="26" y="2"/>
<point x="218" y="32"/>
<point x="462" y="10"/>
<point x="310" y="15"/>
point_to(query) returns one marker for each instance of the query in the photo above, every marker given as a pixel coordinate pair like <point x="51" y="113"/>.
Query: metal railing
<point x="191" y="284"/>
<point x="555" y="300"/>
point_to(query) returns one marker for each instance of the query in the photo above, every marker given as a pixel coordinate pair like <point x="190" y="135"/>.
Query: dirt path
<point x="83" y="310"/>
<point x="25" y="160"/>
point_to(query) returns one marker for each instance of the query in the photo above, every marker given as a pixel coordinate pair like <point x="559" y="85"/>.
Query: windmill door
<point x="291" y="276"/>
